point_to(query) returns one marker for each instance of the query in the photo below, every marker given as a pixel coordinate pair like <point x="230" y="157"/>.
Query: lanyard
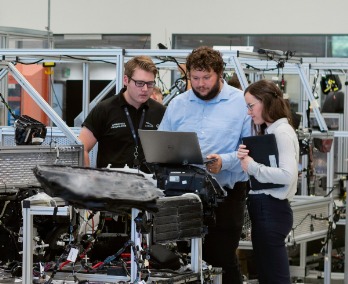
<point x="134" y="134"/>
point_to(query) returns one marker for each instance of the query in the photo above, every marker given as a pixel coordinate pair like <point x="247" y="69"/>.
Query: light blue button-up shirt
<point x="220" y="124"/>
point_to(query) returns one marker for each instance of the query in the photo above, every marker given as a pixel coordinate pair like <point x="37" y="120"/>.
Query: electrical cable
<point x="88" y="60"/>
<point x="62" y="56"/>
<point x="258" y="69"/>
<point x="29" y="63"/>
<point x="173" y="59"/>
<point x="313" y="217"/>
<point x="54" y="93"/>
<point x="331" y="190"/>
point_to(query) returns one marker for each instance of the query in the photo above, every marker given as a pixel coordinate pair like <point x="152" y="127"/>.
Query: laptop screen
<point x="171" y="147"/>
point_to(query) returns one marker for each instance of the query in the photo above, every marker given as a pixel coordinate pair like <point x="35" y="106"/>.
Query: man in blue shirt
<point x="217" y="113"/>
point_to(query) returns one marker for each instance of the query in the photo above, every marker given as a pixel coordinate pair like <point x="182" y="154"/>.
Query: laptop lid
<point x="171" y="147"/>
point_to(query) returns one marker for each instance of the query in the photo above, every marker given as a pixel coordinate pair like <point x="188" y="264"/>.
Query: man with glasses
<point x="217" y="113"/>
<point x="114" y="122"/>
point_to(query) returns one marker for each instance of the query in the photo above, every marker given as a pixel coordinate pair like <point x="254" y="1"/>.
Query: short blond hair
<point x="143" y="62"/>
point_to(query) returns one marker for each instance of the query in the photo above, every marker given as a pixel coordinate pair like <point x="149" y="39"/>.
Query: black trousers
<point x="222" y="240"/>
<point x="271" y="221"/>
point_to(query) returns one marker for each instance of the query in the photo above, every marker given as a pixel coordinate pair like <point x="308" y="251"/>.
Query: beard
<point x="211" y="94"/>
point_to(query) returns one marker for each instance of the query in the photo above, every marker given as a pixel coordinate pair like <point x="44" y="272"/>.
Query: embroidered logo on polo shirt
<point x="148" y="124"/>
<point x="118" y="125"/>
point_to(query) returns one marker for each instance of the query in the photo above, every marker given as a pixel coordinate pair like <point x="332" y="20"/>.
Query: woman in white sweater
<point x="269" y="208"/>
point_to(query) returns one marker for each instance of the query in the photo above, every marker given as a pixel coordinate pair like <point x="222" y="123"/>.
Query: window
<point x="302" y="45"/>
<point x="339" y="46"/>
<point x="137" y="41"/>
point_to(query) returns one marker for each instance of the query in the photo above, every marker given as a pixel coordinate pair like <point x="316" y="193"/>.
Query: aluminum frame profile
<point x="300" y="71"/>
<point x="59" y="54"/>
<point x="275" y="57"/>
<point x="310" y="96"/>
<point x="43" y="104"/>
<point x="95" y="55"/>
<point x="105" y="54"/>
<point x="28" y="213"/>
<point x="234" y="56"/>
<point x="79" y="118"/>
<point x="231" y="56"/>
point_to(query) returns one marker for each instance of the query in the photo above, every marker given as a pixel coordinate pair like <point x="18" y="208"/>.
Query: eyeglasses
<point x="141" y="84"/>
<point x="250" y="106"/>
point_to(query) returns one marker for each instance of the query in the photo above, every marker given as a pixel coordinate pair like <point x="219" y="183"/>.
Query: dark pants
<point x="271" y="222"/>
<point x="221" y="242"/>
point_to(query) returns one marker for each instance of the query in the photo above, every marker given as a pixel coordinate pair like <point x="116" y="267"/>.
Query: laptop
<point x="171" y="147"/>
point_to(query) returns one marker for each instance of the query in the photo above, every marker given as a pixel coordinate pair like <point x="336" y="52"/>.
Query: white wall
<point x="162" y="18"/>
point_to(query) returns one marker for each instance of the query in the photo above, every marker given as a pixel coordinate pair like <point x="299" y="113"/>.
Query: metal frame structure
<point x="94" y="55"/>
<point x="30" y="211"/>
<point x="233" y="59"/>
<point x="118" y="56"/>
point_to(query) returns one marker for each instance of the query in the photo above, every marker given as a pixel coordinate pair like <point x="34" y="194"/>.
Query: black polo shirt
<point x="109" y="124"/>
